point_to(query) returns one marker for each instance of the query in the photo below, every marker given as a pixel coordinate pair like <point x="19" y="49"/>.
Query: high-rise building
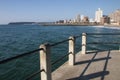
<point x="78" y="18"/>
<point x="98" y="15"/>
<point x="82" y="17"/>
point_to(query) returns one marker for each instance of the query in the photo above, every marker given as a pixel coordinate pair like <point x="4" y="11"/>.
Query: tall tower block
<point x="98" y="15"/>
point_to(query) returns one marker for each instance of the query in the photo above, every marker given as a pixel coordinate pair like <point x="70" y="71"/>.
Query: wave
<point x="112" y="27"/>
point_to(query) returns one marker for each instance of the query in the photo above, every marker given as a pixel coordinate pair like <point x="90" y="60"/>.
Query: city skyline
<point x="44" y="10"/>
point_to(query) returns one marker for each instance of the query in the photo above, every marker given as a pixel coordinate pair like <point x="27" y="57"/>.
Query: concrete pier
<point x="102" y="65"/>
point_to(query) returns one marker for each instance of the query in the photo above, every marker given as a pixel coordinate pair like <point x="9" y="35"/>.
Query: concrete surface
<point x="103" y="65"/>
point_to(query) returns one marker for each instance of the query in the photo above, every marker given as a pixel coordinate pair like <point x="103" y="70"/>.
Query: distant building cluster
<point x="113" y="18"/>
<point x="78" y="20"/>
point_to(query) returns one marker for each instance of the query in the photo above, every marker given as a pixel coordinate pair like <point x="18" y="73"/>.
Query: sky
<point x="52" y="10"/>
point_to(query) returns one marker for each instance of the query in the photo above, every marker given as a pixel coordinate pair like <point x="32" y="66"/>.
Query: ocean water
<point x="17" y="39"/>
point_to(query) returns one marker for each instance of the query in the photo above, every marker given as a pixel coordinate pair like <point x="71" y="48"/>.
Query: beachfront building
<point x="82" y="17"/>
<point x="60" y="22"/>
<point x="105" y="20"/>
<point x="91" y="20"/>
<point x="78" y="18"/>
<point x="98" y="15"/>
<point x="115" y="17"/>
<point x="85" y="19"/>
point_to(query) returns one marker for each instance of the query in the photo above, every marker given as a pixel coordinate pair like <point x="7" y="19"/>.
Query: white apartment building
<point x="98" y="15"/>
<point x="78" y="18"/>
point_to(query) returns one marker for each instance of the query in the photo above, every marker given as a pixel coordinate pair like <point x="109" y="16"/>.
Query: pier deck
<point x="103" y="65"/>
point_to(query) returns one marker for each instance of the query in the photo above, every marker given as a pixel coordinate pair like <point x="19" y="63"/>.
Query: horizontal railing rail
<point x="19" y="56"/>
<point x="58" y="60"/>
<point x="57" y="43"/>
<point x="34" y="74"/>
<point x="78" y="36"/>
<point x="102" y="42"/>
<point x="60" y="42"/>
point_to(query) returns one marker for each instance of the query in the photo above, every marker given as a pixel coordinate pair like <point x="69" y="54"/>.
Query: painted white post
<point x="71" y="59"/>
<point x="45" y="63"/>
<point x="83" y="43"/>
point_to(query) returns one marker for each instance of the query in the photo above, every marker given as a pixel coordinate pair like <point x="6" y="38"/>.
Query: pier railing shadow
<point x="101" y="74"/>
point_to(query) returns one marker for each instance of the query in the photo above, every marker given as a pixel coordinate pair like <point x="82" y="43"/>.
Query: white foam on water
<point x="107" y="27"/>
<point x="112" y="27"/>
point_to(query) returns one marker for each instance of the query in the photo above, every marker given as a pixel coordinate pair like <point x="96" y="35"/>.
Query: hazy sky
<point x="51" y="10"/>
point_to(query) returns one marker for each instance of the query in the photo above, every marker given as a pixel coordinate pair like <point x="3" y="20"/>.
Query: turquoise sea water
<point x="17" y="39"/>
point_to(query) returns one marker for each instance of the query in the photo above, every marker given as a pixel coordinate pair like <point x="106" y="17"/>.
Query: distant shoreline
<point x="109" y="25"/>
<point x="60" y="24"/>
<point x="67" y="25"/>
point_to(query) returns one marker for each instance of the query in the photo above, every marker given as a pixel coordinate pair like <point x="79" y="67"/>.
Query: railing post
<point x="45" y="63"/>
<point x="71" y="59"/>
<point x="83" y="43"/>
